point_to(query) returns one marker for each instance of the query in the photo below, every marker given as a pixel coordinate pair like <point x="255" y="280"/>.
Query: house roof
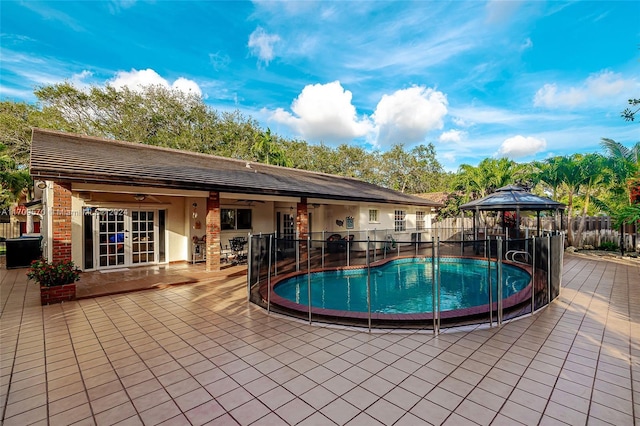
<point x="436" y="197"/>
<point x="513" y="197"/>
<point x="78" y="158"/>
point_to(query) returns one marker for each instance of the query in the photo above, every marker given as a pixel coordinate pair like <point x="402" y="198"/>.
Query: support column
<point x="213" y="232"/>
<point x="302" y="226"/>
<point x="61" y="223"/>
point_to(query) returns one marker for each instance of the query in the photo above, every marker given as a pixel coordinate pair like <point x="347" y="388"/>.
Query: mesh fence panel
<point x="268" y="262"/>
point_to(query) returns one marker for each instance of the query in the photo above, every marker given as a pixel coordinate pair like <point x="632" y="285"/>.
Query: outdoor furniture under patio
<point x="336" y="243"/>
<point x="238" y="253"/>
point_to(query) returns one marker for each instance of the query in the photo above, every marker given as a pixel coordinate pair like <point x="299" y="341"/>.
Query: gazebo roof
<point x="511" y="197"/>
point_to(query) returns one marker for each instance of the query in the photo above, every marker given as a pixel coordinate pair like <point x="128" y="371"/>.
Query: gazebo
<point x="513" y="198"/>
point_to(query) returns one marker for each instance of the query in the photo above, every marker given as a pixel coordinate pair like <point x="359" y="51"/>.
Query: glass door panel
<point x="287" y="233"/>
<point x="111" y="238"/>
<point x="143" y="237"/>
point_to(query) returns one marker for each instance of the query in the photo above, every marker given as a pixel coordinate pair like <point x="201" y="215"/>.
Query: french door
<point x="126" y="238"/>
<point x="286" y="231"/>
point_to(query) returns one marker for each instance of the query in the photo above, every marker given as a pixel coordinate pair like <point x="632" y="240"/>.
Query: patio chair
<point x="225" y="252"/>
<point x="238" y="253"/>
<point x="336" y="243"/>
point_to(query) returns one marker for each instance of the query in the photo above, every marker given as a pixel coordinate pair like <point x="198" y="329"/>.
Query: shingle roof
<point x="78" y="158"/>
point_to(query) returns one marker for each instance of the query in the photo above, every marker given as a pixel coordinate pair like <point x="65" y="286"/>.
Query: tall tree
<point x="267" y="151"/>
<point x="14" y="180"/>
<point x="595" y="178"/>
<point x="624" y="163"/>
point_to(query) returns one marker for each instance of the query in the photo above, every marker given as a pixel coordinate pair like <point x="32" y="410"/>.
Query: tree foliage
<point x="629" y="114"/>
<point x="156" y="115"/>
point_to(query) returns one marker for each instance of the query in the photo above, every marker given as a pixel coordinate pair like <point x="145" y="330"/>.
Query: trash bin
<point x="22" y="251"/>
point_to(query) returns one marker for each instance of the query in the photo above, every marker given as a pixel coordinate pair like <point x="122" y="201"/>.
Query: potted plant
<point x="56" y="280"/>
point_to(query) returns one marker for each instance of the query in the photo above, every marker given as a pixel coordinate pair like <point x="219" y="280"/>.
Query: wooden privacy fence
<point x="597" y="230"/>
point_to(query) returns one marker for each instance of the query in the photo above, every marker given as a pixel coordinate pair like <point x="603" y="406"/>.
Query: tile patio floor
<point x="201" y="354"/>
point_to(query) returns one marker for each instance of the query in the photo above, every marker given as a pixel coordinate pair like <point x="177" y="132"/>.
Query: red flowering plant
<point x="49" y="274"/>
<point x="509" y="219"/>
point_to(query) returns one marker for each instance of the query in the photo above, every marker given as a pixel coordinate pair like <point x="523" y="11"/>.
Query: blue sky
<point x="525" y="80"/>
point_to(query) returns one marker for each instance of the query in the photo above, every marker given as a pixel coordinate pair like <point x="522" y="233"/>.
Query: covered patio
<point x="125" y="280"/>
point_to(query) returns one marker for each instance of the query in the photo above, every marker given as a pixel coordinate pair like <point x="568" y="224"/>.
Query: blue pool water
<point x="404" y="286"/>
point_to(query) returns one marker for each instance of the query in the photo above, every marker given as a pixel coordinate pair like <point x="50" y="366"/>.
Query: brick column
<point x="61" y="222"/>
<point x="302" y="226"/>
<point x="213" y="232"/>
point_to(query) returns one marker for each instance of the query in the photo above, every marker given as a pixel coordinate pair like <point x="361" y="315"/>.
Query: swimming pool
<point x="402" y="286"/>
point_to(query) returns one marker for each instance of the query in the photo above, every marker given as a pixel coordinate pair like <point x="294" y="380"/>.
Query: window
<point x="419" y="220"/>
<point x="373" y="216"/>
<point x="231" y="219"/>
<point x="400" y="220"/>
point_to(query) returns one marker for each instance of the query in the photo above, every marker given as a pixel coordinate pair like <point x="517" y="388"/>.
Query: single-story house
<point x="110" y="204"/>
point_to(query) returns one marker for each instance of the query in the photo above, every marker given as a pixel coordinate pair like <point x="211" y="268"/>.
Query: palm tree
<point x="484" y="179"/>
<point x="625" y="164"/>
<point x="549" y="173"/>
<point x="569" y="174"/>
<point x="265" y="150"/>
<point x="596" y="177"/>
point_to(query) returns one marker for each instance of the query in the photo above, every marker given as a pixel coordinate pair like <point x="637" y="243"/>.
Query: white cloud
<point x="324" y="112"/>
<point x="453" y="135"/>
<point x="520" y="146"/>
<point x="460" y="122"/>
<point x="605" y="88"/>
<point x="219" y="60"/>
<point x="116" y="6"/>
<point x="550" y="97"/>
<point x="527" y="44"/>
<point x="262" y="45"/>
<point x="499" y="11"/>
<point x="407" y="115"/>
<point x="135" y="80"/>
<point x="79" y="80"/>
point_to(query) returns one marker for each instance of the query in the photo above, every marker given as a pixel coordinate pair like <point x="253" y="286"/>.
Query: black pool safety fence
<point x="452" y="282"/>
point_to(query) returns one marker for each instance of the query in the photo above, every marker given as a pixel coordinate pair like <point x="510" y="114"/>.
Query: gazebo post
<point x="475" y="226"/>
<point x="538" y="223"/>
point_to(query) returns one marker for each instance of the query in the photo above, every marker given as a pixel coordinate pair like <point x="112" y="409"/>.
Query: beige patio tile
<point x="609" y="415"/>
<point x="474" y="412"/>
<point x="140" y="346"/>
<point x="520" y="413"/>
<point x="430" y="412"/>
<point x="151" y="399"/>
<point x="24" y="405"/>
<point x="385" y="412"/>
<point x="67" y="403"/>
<point x="26" y="417"/>
<point x="78" y="414"/>
<point x="294" y="411"/>
<point x="444" y="398"/>
<point x="318" y="397"/>
<point x="360" y="397"/>
<point x="160" y="413"/>
<point x="192" y="399"/>
<point x="402" y="398"/>
<point x="221" y="386"/>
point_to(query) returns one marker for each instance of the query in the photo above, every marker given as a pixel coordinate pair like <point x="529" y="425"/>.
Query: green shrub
<point x="609" y="246"/>
<point x="52" y="274"/>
